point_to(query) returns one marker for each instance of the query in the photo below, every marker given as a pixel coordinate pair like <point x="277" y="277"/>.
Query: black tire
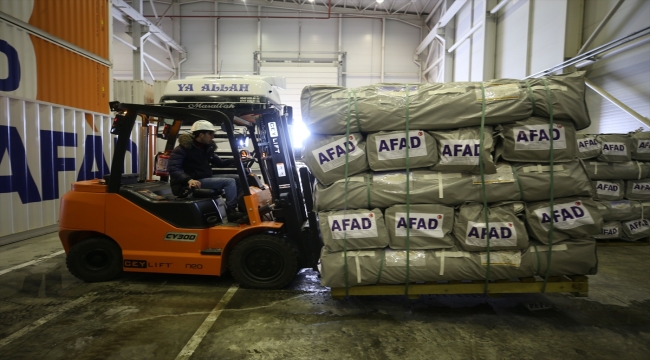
<point x="95" y="260"/>
<point x="264" y="262"/>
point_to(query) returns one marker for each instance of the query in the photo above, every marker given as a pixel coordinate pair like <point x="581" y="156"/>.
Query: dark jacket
<point x="188" y="161"/>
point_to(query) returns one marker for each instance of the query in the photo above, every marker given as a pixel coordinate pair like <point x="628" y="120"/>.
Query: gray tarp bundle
<point x="358" y="229"/>
<point x="430" y="226"/>
<point x="636" y="229"/>
<point x="574" y="217"/>
<point x="588" y="146"/>
<point x="640" y="145"/>
<point x="507" y="230"/>
<point x="325" y="156"/>
<point x="387" y="150"/>
<point x="609" y="190"/>
<point x="383" y="190"/>
<point x="386" y="266"/>
<point x="459" y="150"/>
<point x="569" y="179"/>
<point x="631" y="170"/>
<point x="621" y="210"/>
<point x="529" y="141"/>
<point x="611" y="230"/>
<point x="637" y="189"/>
<point x="615" y="148"/>
<point x="381" y="107"/>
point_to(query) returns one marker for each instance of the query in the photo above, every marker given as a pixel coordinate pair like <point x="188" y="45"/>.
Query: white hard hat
<point x="202" y="125"/>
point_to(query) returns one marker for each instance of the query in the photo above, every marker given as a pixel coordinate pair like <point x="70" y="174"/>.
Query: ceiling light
<point x="380" y="1"/>
<point x="311" y="0"/>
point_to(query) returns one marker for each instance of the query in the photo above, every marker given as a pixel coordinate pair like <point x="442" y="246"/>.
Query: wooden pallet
<point x="577" y="285"/>
<point x="616" y="242"/>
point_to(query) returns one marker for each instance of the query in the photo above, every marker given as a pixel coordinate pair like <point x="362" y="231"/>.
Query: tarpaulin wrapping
<point x="571" y="257"/>
<point x="568" y="96"/>
<point x="615" y="148"/>
<point x="387" y="150"/>
<point x="621" y="210"/>
<point x="609" y="190"/>
<point x="325" y="156"/>
<point x="588" y="146"/>
<point x="630" y="170"/>
<point x="636" y="229"/>
<point x="530" y="141"/>
<point x="611" y="230"/>
<point x="640" y="145"/>
<point x="430" y="226"/>
<point x="637" y="189"/>
<point x="574" y="217"/>
<point x="387" y="266"/>
<point x="507" y="229"/>
<point x="569" y="179"/>
<point x="459" y="150"/>
<point x="359" y="229"/>
<point x="385" y="189"/>
<point x="440" y="106"/>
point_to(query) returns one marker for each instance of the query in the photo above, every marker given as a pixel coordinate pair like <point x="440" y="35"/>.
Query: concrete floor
<point x="46" y="313"/>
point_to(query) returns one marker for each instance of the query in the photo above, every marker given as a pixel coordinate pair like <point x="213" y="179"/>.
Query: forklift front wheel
<point x="95" y="260"/>
<point x="264" y="262"/>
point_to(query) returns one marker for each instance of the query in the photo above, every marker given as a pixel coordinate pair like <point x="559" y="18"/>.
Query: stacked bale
<point x="433" y="213"/>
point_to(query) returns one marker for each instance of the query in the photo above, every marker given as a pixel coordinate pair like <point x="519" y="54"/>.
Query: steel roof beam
<point x="125" y="8"/>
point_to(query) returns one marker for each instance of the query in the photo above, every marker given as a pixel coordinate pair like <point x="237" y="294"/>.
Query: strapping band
<point x="483" y="190"/>
<point x="552" y="189"/>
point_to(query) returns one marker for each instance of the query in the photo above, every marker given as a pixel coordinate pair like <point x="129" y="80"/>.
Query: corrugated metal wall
<point x="54" y="93"/>
<point x="133" y="91"/>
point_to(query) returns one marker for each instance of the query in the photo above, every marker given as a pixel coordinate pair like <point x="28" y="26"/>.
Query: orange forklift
<point x="120" y="223"/>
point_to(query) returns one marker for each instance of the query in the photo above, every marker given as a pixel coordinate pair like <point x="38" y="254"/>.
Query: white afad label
<point x="638" y="226"/>
<point x="353" y="226"/>
<point x="588" y="144"/>
<point x="537" y="137"/>
<point x="332" y="155"/>
<point x="459" y="152"/>
<point x="565" y="216"/>
<point x="609" y="232"/>
<point x="420" y="224"/>
<point x="641" y="188"/>
<point x="393" y="146"/>
<point x="643" y="147"/>
<point x="614" y="148"/>
<point x="608" y="188"/>
<point x="501" y="234"/>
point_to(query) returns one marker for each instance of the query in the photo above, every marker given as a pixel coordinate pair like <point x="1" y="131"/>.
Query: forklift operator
<point x="191" y="162"/>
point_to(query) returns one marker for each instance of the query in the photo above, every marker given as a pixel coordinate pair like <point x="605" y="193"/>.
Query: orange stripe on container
<point x="81" y="22"/>
<point x="69" y="79"/>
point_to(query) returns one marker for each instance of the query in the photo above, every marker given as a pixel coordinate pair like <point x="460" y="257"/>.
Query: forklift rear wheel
<point x="95" y="260"/>
<point x="264" y="262"/>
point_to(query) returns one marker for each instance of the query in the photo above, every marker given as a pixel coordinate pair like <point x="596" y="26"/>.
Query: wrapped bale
<point x="385" y="189"/>
<point x="429" y="226"/>
<point x="630" y="170"/>
<point x="381" y="107"/>
<point x="325" y="156"/>
<point x="387" y="150"/>
<point x="569" y="179"/>
<point x="571" y="257"/>
<point x="459" y="150"/>
<point x="568" y="96"/>
<point x="356" y="229"/>
<point x="609" y="190"/>
<point x="611" y="230"/>
<point x="621" y="210"/>
<point x="507" y="230"/>
<point x="640" y="145"/>
<point x="363" y="267"/>
<point x="588" y="146"/>
<point x="636" y="229"/>
<point x="573" y="217"/>
<point x="637" y="189"/>
<point x="530" y="141"/>
<point x="615" y="148"/>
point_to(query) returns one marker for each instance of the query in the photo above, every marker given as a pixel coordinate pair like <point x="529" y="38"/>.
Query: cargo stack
<point x="456" y="181"/>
